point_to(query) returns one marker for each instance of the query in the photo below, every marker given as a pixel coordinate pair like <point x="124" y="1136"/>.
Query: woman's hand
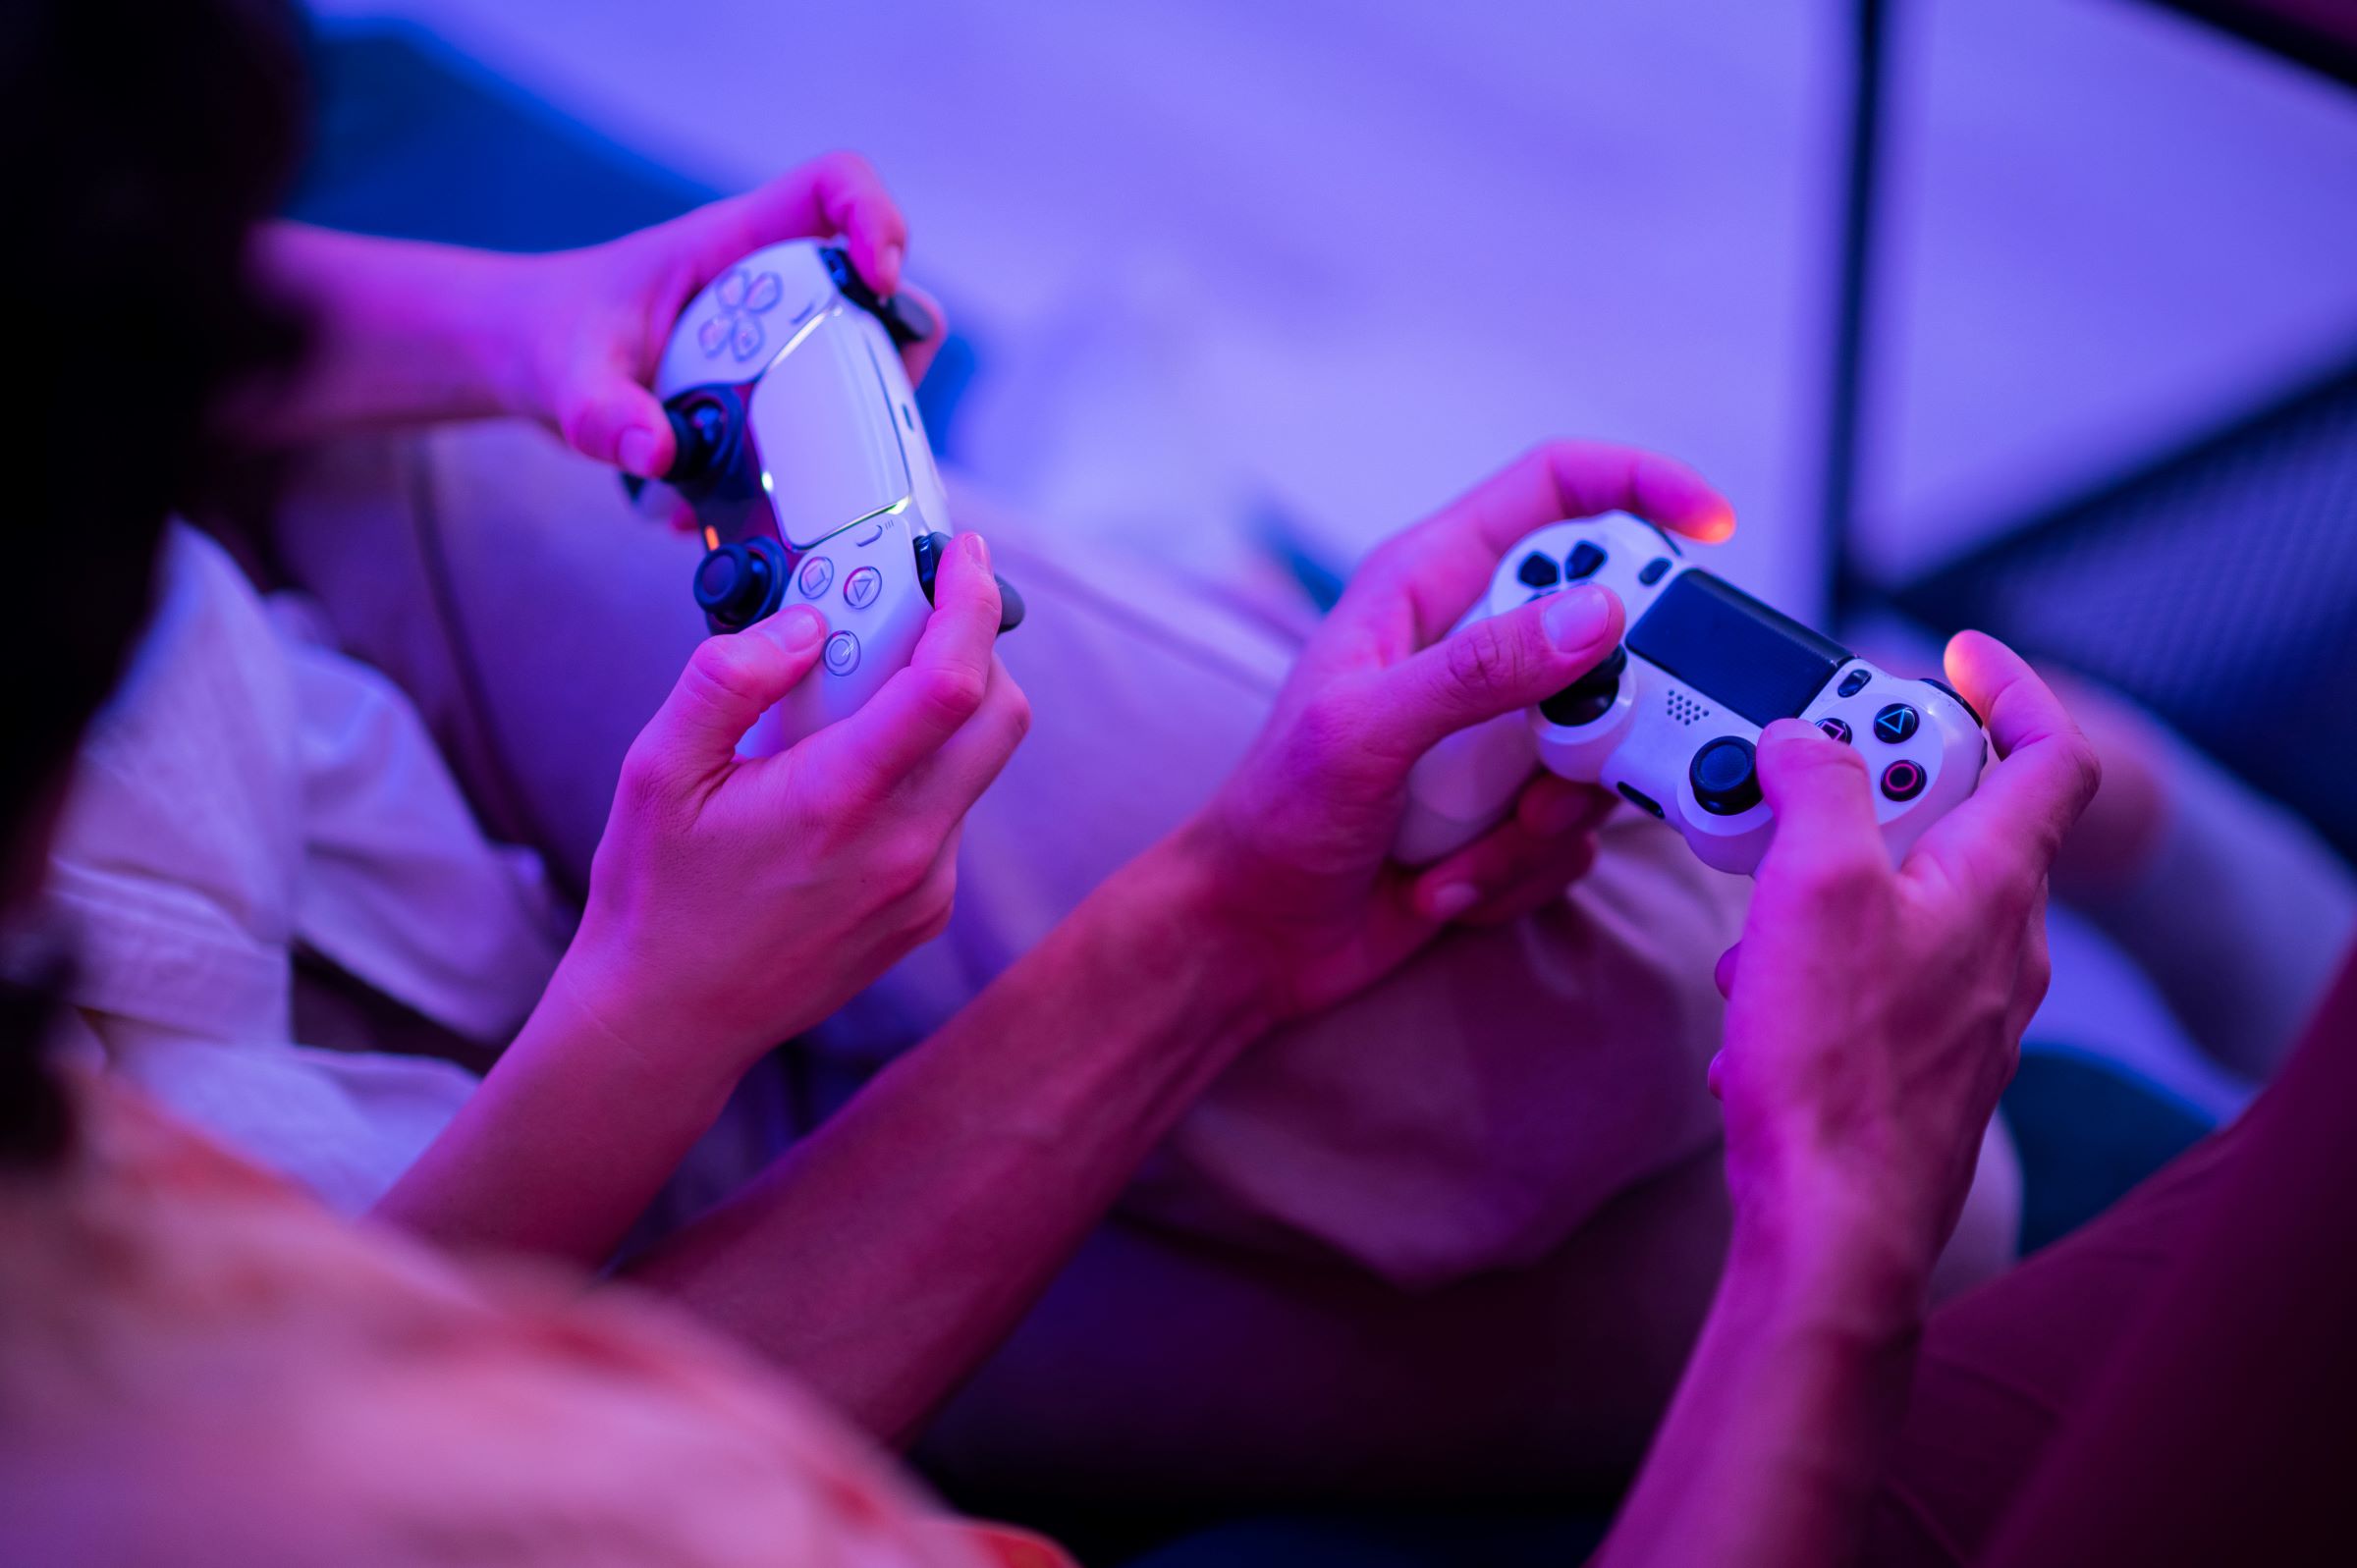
<point x="1297" y="844"/>
<point x="1874" y="1015"/>
<point x="592" y="324"/>
<point x="733" y="904"/>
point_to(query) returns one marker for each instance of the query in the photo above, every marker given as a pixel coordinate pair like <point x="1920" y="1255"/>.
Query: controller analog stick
<point x="1590" y="697"/>
<point x="738" y="584"/>
<point x="1725" y="779"/>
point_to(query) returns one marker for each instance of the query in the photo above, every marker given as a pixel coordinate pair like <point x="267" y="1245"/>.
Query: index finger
<point x="1442" y="564"/>
<point x="926" y="702"/>
<point x="2005" y="836"/>
<point x="839" y="193"/>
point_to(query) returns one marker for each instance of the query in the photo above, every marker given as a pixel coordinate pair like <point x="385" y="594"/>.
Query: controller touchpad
<point x="824" y="420"/>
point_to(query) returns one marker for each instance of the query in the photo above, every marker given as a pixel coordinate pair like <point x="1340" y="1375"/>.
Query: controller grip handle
<point x="1463" y="787"/>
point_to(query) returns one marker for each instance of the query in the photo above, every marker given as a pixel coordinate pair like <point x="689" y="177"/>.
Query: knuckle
<point x="950" y="695"/>
<point x="1842" y="880"/>
<point x="1487" y="657"/>
<point x="726" y="666"/>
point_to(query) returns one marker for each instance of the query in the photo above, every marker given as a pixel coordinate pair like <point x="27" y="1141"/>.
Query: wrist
<point x="1204" y="908"/>
<point x="1811" y="1248"/>
<point x="625" y="1034"/>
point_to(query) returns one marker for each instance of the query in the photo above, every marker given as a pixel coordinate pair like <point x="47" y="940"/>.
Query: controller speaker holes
<point x="1686" y="710"/>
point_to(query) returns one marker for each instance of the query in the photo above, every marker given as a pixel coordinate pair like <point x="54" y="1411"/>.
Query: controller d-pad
<point x="1537" y="571"/>
<point x="1586" y="556"/>
<point x="1725" y="777"/>
<point x="1590" y="697"/>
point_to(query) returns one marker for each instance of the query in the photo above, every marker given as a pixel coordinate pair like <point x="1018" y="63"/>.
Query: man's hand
<point x="593" y="322"/>
<point x="1874" y="1015"/>
<point x="733" y="904"/>
<point x="1296" y="846"/>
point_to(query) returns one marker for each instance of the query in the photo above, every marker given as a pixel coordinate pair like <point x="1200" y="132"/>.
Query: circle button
<point x="1896" y="723"/>
<point x="1904" y="780"/>
<point x="817" y="574"/>
<point x="843" y="654"/>
<point x="861" y="588"/>
<point x="1724" y="779"/>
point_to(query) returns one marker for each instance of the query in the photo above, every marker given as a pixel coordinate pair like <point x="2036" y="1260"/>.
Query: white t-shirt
<point x="249" y="790"/>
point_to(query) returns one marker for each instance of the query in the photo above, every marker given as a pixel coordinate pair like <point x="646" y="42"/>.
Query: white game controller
<point x="1670" y="719"/>
<point x="807" y="470"/>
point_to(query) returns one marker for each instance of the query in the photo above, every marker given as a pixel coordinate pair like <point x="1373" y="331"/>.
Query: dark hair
<point x="142" y="144"/>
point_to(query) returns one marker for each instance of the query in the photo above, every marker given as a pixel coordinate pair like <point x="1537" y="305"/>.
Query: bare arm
<point x="1874" y="1017"/>
<point x="886" y="1257"/>
<point x="404" y="333"/>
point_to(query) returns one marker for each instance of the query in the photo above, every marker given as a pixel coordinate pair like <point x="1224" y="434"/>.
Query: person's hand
<point x="733" y="904"/>
<point x="1295" y="845"/>
<point x="1874" y="1015"/>
<point x="594" y="321"/>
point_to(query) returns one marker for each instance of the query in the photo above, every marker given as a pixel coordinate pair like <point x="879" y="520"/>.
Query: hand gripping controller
<point x="807" y="468"/>
<point x="1669" y="720"/>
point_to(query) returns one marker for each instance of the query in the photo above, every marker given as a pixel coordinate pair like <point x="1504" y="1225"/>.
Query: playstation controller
<point x="1671" y="721"/>
<point x="804" y="466"/>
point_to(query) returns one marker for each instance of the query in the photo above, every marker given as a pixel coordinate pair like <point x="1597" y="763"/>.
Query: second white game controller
<point x="805" y="465"/>
<point x="1670" y="720"/>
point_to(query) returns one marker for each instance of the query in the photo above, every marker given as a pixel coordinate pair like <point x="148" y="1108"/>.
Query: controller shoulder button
<point x="1938" y="684"/>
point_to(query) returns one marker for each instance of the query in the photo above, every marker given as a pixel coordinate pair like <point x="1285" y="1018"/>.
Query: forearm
<point x="402" y="332"/>
<point x="1770" y="1451"/>
<point x="885" y="1257"/>
<point x="562" y="1146"/>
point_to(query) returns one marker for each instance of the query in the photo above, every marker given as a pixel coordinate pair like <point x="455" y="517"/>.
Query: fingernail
<point x="976" y="550"/>
<point x="795" y="629"/>
<point x="637" y="452"/>
<point x="1577" y="619"/>
<point x="887" y="262"/>
<point x="1446" y="904"/>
